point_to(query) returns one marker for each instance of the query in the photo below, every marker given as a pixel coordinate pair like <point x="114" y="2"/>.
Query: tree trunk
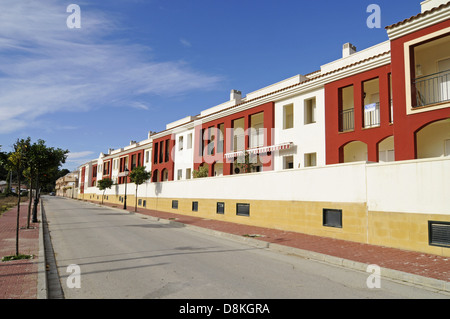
<point x="30" y="196"/>
<point x="18" y="214"/>
<point x="135" y="199"/>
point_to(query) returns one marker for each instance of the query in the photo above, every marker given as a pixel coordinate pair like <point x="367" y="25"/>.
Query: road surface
<point x="106" y="253"/>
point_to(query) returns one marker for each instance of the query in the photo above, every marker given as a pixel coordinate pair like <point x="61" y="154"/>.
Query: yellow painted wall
<point x="404" y="231"/>
<point x="390" y="229"/>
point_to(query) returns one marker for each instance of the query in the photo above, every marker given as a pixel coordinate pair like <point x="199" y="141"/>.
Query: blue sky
<point x="136" y="65"/>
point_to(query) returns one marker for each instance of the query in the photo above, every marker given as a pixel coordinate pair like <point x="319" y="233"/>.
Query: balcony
<point x="372" y="115"/>
<point x="346" y="120"/>
<point x="432" y="89"/>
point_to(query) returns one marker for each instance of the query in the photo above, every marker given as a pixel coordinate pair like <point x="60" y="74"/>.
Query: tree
<point x="3" y="160"/>
<point x="139" y="176"/>
<point x="17" y="161"/>
<point x="104" y="184"/>
<point x="44" y="163"/>
<point x="202" y="171"/>
<point x="246" y="162"/>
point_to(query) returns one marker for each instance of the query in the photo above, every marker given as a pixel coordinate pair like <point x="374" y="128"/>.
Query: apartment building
<point x="357" y="150"/>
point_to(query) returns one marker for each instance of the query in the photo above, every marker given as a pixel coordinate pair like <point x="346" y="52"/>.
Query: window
<point x="310" y="159"/>
<point x="180" y="143"/>
<point x="195" y="206"/>
<point x="242" y="209"/>
<point x="211" y="140"/>
<point x="288" y="116"/>
<point x="332" y="217"/>
<point x="220" y="141"/>
<point x="155" y="153"/>
<point x="144" y="203"/>
<point x="257" y="130"/>
<point x="167" y="150"/>
<point x="346" y="106"/>
<point x="447" y="148"/>
<point x="371" y="103"/>
<point x="238" y="135"/>
<point x="147" y="154"/>
<point x="174" y="204"/>
<point x="161" y="145"/>
<point x="133" y="161"/>
<point x="188" y="173"/>
<point x="220" y="208"/>
<point x="189" y="141"/>
<point x="430" y="71"/>
<point x="288" y="162"/>
<point x="310" y="111"/>
<point x="179" y="174"/>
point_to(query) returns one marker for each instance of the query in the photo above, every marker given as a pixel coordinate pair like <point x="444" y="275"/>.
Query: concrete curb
<point x="391" y="274"/>
<point x="42" y="291"/>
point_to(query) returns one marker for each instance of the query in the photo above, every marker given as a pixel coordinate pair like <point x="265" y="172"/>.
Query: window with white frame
<point x="310" y="110"/>
<point x="288" y="162"/>
<point x="288" y="116"/>
<point x="310" y="159"/>
<point x="189" y="141"/>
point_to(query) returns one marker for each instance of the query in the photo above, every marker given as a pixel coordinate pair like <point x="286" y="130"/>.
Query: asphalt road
<point x="106" y="253"/>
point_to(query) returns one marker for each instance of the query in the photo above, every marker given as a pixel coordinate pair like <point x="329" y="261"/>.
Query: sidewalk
<point x="19" y="279"/>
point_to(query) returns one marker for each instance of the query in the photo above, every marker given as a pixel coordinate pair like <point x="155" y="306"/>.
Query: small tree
<point x="17" y="162"/>
<point x="104" y="184"/>
<point x="139" y="176"/>
<point x="202" y="171"/>
<point x="246" y="162"/>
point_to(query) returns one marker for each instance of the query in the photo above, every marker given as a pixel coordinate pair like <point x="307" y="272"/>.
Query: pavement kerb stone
<point x="42" y="272"/>
<point x="391" y="274"/>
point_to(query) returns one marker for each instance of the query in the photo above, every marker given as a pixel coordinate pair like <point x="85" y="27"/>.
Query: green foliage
<point x="246" y="163"/>
<point x="139" y="175"/>
<point x="104" y="183"/>
<point x="202" y="171"/>
<point x="16" y="257"/>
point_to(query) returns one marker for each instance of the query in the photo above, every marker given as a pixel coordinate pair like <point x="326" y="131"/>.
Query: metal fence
<point x="433" y="88"/>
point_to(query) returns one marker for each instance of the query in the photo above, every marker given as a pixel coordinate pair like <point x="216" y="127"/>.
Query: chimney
<point x="348" y="49"/>
<point x="235" y="96"/>
<point x="430" y="4"/>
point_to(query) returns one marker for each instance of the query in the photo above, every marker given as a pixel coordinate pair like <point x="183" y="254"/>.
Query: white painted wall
<point x="416" y="186"/>
<point x="184" y="159"/>
<point x="307" y="138"/>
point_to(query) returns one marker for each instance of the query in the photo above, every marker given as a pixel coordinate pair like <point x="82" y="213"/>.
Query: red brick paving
<point x="18" y="278"/>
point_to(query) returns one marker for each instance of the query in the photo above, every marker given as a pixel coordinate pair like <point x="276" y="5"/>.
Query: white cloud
<point x="76" y="155"/>
<point x="185" y="43"/>
<point x="47" y="67"/>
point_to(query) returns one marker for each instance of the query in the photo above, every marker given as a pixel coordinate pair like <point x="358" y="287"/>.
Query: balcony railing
<point x="432" y="89"/>
<point x="372" y="115"/>
<point x="346" y="120"/>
